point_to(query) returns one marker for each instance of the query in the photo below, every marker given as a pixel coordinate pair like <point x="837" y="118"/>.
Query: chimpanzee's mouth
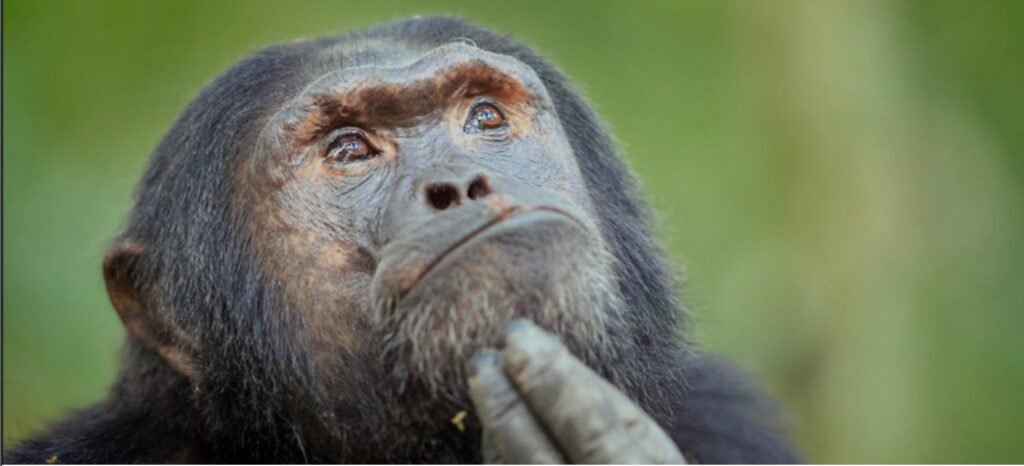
<point x="517" y="212"/>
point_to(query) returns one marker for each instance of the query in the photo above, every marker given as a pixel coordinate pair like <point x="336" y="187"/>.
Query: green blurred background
<point x="840" y="182"/>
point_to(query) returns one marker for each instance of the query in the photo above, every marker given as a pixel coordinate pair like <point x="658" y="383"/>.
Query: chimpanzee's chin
<point x="462" y="307"/>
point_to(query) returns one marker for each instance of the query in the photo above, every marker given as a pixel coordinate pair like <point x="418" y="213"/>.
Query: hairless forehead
<point x="383" y="59"/>
<point x="397" y="91"/>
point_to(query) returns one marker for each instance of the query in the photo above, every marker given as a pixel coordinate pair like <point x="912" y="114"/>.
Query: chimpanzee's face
<point x="413" y="201"/>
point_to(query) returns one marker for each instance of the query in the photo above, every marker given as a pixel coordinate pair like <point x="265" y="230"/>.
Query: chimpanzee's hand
<point x="539" y="404"/>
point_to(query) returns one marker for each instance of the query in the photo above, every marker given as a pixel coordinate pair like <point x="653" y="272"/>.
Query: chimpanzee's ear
<point x="133" y="301"/>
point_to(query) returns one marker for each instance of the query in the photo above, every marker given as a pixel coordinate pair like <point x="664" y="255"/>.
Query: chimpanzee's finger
<point x="511" y="432"/>
<point x="489" y="453"/>
<point x="589" y="419"/>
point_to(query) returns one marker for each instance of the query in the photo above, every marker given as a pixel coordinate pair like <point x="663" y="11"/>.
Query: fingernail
<point x="483" y="360"/>
<point x="526" y="344"/>
<point x="514" y="327"/>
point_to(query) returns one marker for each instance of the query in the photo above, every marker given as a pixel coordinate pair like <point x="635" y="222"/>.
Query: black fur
<point x="254" y="401"/>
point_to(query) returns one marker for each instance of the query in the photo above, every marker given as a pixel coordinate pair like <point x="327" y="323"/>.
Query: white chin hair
<point x="454" y="312"/>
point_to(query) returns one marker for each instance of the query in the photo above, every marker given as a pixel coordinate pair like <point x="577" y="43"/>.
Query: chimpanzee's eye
<point x="350" y="148"/>
<point x="483" y="117"/>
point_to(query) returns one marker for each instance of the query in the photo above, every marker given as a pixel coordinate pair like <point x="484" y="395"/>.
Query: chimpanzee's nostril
<point x="478" y="188"/>
<point x="442" y="196"/>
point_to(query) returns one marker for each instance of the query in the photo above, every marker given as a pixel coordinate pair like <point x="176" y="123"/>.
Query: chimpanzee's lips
<point x="518" y="223"/>
<point x="505" y="214"/>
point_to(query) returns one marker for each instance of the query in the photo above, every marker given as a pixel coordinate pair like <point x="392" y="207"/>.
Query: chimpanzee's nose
<point x="450" y="188"/>
<point x="463" y="193"/>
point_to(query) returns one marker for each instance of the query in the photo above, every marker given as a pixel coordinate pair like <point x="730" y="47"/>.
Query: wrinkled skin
<point x="523" y="239"/>
<point x="539" y="404"/>
<point x="469" y="227"/>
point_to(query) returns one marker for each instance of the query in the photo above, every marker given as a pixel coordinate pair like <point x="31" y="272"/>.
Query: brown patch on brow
<point x="396" y="105"/>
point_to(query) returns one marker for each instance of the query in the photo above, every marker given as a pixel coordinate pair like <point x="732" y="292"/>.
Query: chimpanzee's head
<point x="336" y="225"/>
<point x="419" y="197"/>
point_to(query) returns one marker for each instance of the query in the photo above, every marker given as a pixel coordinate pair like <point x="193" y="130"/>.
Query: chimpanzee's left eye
<point x="483" y="117"/>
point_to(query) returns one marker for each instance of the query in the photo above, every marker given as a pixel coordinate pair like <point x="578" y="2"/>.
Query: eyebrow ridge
<point x="390" y="104"/>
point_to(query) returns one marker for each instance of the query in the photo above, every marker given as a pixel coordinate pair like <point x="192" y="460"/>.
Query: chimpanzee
<point x="413" y="243"/>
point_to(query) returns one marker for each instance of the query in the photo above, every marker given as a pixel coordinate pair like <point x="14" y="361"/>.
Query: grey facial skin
<point x="449" y="272"/>
<point x="463" y="228"/>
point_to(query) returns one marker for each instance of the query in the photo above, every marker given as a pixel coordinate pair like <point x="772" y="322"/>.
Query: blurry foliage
<point x="842" y="180"/>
